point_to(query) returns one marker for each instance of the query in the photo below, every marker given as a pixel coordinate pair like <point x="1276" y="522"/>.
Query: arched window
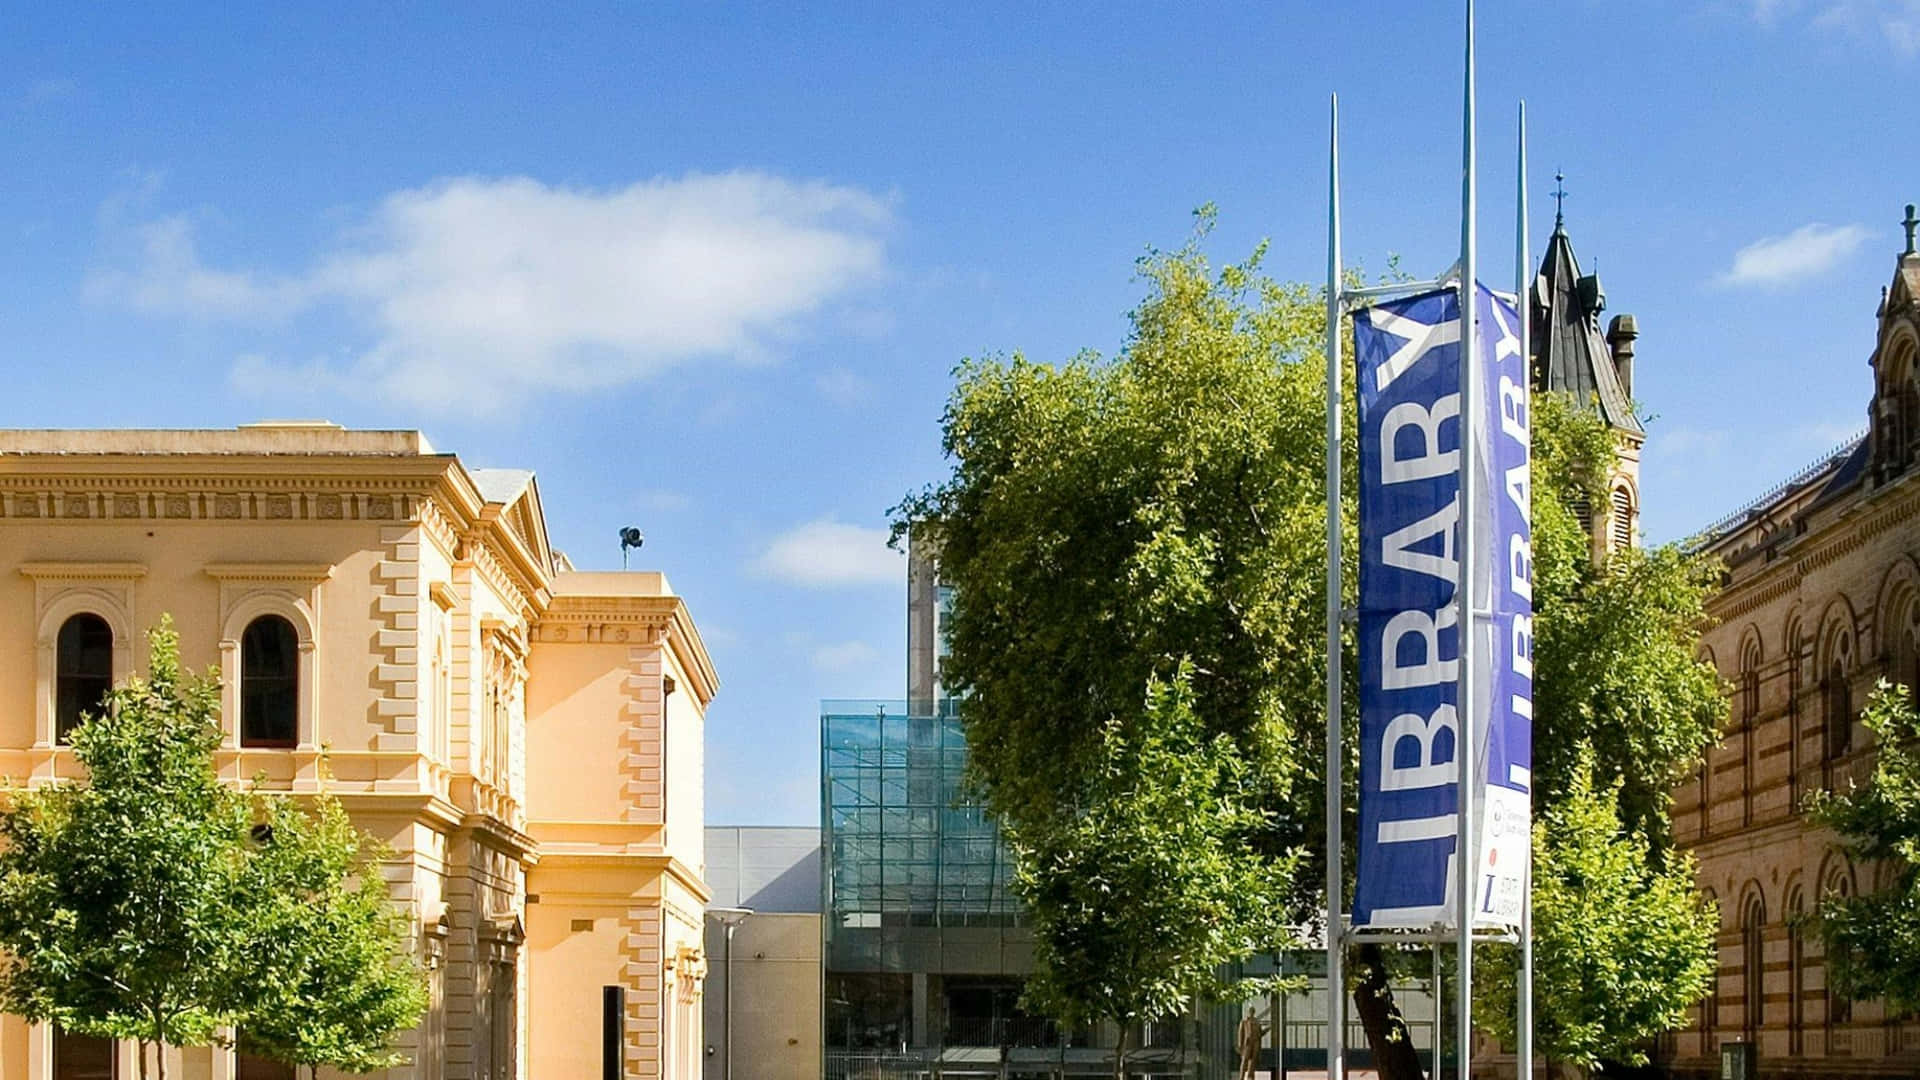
<point x="1749" y="722"/>
<point x="1753" y="966"/>
<point x="1839" y="709"/>
<point x="1839" y="1006"/>
<point x="269" y="683"/>
<point x="1620" y="524"/>
<point x="83" y="671"/>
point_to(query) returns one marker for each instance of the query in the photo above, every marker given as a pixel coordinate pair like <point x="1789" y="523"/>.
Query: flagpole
<point x="1466" y="747"/>
<point x="1523" y="307"/>
<point x="1336" y="982"/>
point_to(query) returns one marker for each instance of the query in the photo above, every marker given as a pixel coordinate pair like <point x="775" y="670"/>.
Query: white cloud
<point x="1686" y="442"/>
<point x="842" y="656"/>
<point x="1897" y="21"/>
<point x="828" y="553"/>
<point x="1802" y="253"/>
<point x="842" y="386"/>
<point x="476" y="292"/>
<point x="663" y="501"/>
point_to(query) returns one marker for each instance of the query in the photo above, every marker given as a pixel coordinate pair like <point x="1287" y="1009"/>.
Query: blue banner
<point x="1408" y="354"/>
<point x="1505" y="586"/>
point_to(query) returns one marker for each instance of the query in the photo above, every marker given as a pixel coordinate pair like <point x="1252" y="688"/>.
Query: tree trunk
<point x="140" y="1049"/>
<point x="1120" y="1052"/>
<point x="160" y="1058"/>
<point x="1387" y="1034"/>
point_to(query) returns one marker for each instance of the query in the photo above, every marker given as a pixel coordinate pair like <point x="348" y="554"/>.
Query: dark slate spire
<point x="1570" y="356"/>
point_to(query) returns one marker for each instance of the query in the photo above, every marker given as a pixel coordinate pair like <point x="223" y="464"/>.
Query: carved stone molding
<point x="62" y="590"/>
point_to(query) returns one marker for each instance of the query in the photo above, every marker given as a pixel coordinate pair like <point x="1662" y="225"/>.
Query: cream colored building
<point x="527" y="737"/>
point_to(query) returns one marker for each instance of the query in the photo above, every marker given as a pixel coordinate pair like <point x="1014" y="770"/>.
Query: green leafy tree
<point x="1137" y="559"/>
<point x="121" y="908"/>
<point x="333" y="980"/>
<point x="1108" y="521"/>
<point x="1143" y="897"/>
<point x="138" y="903"/>
<point x="1873" y="940"/>
<point x="1623" y="942"/>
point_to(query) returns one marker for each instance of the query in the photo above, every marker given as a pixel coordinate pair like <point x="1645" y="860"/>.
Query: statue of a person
<point x="1248" y="1042"/>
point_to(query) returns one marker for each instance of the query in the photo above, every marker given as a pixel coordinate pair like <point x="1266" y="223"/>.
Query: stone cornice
<point x="434" y="490"/>
<point x="596" y="619"/>
<point x="1846" y="532"/>
<point x="308" y="574"/>
<point x="83" y="571"/>
<point x="671" y="866"/>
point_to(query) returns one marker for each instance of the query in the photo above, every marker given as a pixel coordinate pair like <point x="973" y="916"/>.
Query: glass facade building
<point x="925" y="949"/>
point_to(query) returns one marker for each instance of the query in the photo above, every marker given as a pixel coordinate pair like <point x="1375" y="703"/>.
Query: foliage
<point x="1137" y="552"/>
<point x="1873" y="940"/>
<point x="121" y="908"/>
<point x="1110" y="523"/>
<point x="1140" y="898"/>
<point x="332" y="981"/>
<point x="1622" y="946"/>
<point x="1615" y="664"/>
<point x="136" y="904"/>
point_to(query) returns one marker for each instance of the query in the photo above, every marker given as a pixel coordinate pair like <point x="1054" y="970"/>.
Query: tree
<point x="1137" y="562"/>
<point x="1616" y="665"/>
<point x="1623" y="944"/>
<point x="332" y="981"/>
<point x="1873" y="940"/>
<point x="1141" y="899"/>
<point x="1108" y="521"/>
<point x="121" y="912"/>
<point x="151" y="902"/>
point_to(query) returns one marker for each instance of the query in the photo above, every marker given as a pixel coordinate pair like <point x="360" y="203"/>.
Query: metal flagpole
<point x="1523" y="307"/>
<point x="1336" y="982"/>
<point x="1466" y="867"/>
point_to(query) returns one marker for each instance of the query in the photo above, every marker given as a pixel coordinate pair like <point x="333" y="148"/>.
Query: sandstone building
<point x="525" y="736"/>
<point x="1822" y="600"/>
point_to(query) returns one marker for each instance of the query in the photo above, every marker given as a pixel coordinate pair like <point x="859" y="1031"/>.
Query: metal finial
<point x="1911" y="223"/>
<point x="1560" y="199"/>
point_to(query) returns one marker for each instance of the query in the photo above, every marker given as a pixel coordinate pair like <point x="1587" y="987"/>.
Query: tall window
<point x="1620" y="525"/>
<point x="83" y="671"/>
<point x="1839" y="710"/>
<point x="82" y="1057"/>
<point x="1839" y="1006"/>
<point x="1753" y="971"/>
<point x="269" y="683"/>
<point x="1749" y="725"/>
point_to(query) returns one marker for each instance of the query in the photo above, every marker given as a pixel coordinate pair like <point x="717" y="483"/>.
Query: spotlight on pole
<point x="630" y="540"/>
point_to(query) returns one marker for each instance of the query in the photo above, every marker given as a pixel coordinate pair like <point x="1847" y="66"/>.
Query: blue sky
<point x="707" y="267"/>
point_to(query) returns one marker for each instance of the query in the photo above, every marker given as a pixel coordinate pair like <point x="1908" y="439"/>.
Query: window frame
<point x="62" y="731"/>
<point x="61" y="591"/>
<point x="247" y="592"/>
<point x="292" y="676"/>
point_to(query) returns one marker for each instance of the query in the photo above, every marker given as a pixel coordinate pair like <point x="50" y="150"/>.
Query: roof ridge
<point x="1799" y="478"/>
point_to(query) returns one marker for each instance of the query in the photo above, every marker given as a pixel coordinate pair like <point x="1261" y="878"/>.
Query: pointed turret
<point x="1570" y="355"/>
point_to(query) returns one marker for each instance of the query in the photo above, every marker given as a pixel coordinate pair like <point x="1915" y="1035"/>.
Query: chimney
<point x="1620" y="334"/>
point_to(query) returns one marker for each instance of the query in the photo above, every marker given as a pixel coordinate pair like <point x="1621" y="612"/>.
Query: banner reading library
<point x="1409" y="353"/>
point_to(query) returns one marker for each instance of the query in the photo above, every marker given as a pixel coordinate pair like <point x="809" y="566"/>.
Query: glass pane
<point x="81" y="1057"/>
<point x="269" y="683"/>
